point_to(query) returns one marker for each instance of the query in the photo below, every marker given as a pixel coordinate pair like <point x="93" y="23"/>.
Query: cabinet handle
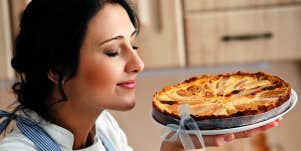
<point x="247" y="37"/>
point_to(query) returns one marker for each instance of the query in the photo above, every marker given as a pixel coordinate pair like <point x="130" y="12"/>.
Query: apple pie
<point x="223" y="95"/>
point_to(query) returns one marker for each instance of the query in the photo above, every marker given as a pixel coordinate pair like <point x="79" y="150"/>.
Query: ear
<point x="53" y="76"/>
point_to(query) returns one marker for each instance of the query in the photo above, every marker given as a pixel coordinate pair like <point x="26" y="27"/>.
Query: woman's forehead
<point x="112" y="20"/>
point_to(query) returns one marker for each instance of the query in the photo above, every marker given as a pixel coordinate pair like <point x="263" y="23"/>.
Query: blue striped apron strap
<point x="106" y="142"/>
<point x="31" y="130"/>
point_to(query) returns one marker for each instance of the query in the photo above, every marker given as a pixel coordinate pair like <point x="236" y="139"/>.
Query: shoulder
<point x="16" y="141"/>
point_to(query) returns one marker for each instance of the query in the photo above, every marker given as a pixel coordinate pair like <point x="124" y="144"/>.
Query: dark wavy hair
<point x="51" y="35"/>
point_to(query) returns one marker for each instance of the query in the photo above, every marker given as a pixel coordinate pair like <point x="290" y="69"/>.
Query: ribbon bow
<point x="31" y="130"/>
<point x="186" y="126"/>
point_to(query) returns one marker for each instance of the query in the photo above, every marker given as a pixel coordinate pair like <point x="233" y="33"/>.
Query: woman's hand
<point x="217" y="140"/>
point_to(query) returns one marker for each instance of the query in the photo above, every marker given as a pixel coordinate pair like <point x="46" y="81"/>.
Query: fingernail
<point x="229" y="138"/>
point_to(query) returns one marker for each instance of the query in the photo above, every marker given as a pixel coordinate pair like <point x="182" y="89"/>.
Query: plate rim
<point x="293" y="100"/>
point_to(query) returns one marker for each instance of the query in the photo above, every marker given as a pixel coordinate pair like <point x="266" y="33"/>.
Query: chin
<point x="128" y="105"/>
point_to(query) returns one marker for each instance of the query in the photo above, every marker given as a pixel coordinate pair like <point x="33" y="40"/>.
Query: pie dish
<point x="224" y="98"/>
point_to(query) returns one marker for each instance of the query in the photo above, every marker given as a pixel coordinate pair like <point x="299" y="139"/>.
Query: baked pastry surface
<point x="223" y="95"/>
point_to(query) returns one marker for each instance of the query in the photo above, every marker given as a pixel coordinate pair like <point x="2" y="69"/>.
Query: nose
<point x="134" y="64"/>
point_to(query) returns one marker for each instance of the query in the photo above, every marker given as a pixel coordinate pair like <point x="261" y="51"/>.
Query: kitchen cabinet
<point x="218" y="32"/>
<point x="241" y="32"/>
<point x="209" y="5"/>
<point x="5" y="42"/>
<point x="185" y="33"/>
<point x="162" y="37"/>
<point x="244" y="36"/>
<point x="10" y="11"/>
<point x="16" y="9"/>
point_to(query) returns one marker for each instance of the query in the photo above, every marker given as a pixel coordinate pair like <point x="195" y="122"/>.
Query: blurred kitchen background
<point x="184" y="38"/>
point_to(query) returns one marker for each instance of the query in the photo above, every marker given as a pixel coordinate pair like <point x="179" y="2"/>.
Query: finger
<point x="243" y="134"/>
<point x="279" y="119"/>
<point x="218" y="140"/>
<point x="265" y="127"/>
<point x="249" y="133"/>
<point x="268" y="126"/>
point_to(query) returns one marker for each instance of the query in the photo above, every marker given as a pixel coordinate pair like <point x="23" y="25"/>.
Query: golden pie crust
<point x="223" y="95"/>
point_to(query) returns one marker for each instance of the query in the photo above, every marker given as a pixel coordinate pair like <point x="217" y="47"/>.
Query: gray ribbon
<point x="186" y="127"/>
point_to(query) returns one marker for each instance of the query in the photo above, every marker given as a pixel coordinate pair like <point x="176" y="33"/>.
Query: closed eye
<point x="135" y="47"/>
<point x="112" y="54"/>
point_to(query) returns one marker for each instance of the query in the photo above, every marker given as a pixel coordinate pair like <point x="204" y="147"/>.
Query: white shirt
<point x="106" y="125"/>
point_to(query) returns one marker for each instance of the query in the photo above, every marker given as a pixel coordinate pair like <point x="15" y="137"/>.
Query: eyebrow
<point x="117" y="38"/>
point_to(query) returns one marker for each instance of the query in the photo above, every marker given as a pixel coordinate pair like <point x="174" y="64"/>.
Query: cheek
<point x="96" y="74"/>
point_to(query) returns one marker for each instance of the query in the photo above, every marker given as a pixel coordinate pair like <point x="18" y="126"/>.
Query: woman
<point x="77" y="58"/>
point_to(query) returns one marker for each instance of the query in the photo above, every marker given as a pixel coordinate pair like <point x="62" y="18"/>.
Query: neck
<point x="81" y="122"/>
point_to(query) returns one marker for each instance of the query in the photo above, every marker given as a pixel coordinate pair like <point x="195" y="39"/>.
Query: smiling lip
<point x="128" y="84"/>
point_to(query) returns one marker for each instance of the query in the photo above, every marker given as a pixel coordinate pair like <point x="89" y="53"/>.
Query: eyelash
<point x="115" y="53"/>
<point x="135" y="47"/>
<point x="112" y="54"/>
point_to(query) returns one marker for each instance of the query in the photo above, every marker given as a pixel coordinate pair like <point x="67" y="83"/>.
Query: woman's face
<point x="108" y="63"/>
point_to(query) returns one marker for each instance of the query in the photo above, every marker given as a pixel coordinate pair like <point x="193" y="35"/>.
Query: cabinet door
<point x="203" y="5"/>
<point x="6" y="72"/>
<point x="244" y="36"/>
<point x="161" y="37"/>
<point x="16" y="9"/>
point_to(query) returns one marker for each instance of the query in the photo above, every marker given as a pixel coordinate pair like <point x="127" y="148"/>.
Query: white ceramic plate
<point x="293" y="101"/>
